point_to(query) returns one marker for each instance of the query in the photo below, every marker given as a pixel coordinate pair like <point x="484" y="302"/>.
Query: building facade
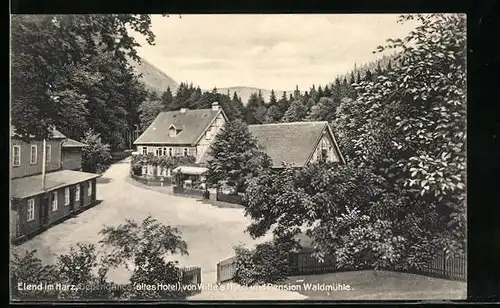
<point x="185" y="132"/>
<point x="297" y="143"/>
<point x="38" y="201"/>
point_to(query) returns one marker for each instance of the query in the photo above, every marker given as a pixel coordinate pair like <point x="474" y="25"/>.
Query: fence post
<point x="218" y="272"/>
<point x="444" y="264"/>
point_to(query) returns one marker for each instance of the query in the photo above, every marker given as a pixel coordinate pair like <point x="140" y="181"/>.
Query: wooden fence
<point x="231" y="198"/>
<point x="452" y="267"/>
<point x="442" y="266"/>
<point x="152" y="181"/>
<point x="204" y="194"/>
<point x="226" y="270"/>
<point x="190" y="275"/>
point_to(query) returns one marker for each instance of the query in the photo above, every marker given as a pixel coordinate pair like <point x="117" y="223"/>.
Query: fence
<point x="152" y="181"/>
<point x="190" y="275"/>
<point x="231" y="198"/>
<point x="226" y="270"/>
<point x="445" y="266"/>
<point x="442" y="266"/>
<point x="191" y="192"/>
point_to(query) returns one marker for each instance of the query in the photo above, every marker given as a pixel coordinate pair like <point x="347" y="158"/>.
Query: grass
<point x="379" y="285"/>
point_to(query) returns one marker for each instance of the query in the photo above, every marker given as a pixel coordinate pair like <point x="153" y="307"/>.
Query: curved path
<point x="209" y="231"/>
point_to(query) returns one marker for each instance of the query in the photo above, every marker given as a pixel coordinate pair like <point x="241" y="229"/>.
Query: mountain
<point x="246" y="92"/>
<point x="153" y="78"/>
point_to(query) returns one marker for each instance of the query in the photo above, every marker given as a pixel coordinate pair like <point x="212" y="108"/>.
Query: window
<point x="33" y="156"/>
<point x="31" y="209"/>
<point x="172" y="132"/>
<point x="158" y="152"/>
<point x="77" y="192"/>
<point x="89" y="191"/>
<point x="218" y="121"/>
<point x="48" y="153"/>
<point x="208" y="135"/>
<point x="66" y="196"/>
<point x="170" y="152"/>
<point x="185" y="152"/>
<point x="54" y="201"/>
<point x="165" y="151"/>
<point x="144" y="150"/>
<point x="16" y="155"/>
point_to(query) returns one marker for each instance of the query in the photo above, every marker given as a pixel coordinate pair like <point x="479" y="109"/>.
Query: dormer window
<point x="172" y="131"/>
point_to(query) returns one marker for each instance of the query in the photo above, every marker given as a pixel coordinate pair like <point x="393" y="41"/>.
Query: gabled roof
<point x="293" y="143"/>
<point x="192" y="124"/>
<point x="55" y="133"/>
<point x="70" y="143"/>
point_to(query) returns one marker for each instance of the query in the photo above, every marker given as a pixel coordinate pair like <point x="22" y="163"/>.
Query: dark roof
<point x="55" y="133"/>
<point x="192" y="124"/>
<point x="70" y="143"/>
<point x="292" y="143"/>
<point x="32" y="185"/>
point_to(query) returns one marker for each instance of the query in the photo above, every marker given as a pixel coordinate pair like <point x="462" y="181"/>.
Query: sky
<point x="266" y="51"/>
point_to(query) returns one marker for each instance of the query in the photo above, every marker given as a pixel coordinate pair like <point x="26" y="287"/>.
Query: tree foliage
<point x="72" y="72"/>
<point x="235" y="156"/>
<point x="96" y="155"/>
<point x="148" y="111"/>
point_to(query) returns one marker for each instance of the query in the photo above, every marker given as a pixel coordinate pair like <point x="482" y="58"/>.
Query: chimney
<point x="183" y="110"/>
<point x="215" y="106"/>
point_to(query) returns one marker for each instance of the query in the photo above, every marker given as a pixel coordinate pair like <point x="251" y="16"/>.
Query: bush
<point x="267" y="263"/>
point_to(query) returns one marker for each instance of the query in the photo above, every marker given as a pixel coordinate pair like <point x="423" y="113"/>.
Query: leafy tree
<point x="273" y="114"/>
<point x="235" y="156"/>
<point x="142" y="248"/>
<point x="414" y="118"/>
<point x="96" y="155"/>
<point x="54" y="56"/>
<point x="146" y="246"/>
<point x="148" y="111"/>
<point x="296" y="112"/>
<point x="325" y="110"/>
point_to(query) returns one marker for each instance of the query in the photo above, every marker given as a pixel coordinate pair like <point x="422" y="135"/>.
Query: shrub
<point x="267" y="263"/>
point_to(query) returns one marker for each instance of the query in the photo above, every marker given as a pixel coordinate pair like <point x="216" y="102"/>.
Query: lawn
<point x="378" y="285"/>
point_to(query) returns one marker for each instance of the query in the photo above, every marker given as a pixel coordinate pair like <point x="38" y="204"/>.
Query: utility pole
<point x="44" y="159"/>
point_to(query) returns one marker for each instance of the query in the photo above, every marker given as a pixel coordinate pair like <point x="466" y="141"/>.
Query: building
<point x="297" y="143"/>
<point x="183" y="132"/>
<point x="39" y="201"/>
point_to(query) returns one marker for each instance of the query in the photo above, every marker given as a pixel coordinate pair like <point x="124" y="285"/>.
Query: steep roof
<point x="70" y="143"/>
<point x="55" y="133"/>
<point x="289" y="142"/>
<point x="192" y="124"/>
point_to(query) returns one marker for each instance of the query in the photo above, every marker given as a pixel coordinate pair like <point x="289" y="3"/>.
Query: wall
<point x="204" y="144"/>
<point x="25" y="227"/>
<point x="72" y="158"/>
<point x="326" y="140"/>
<point x="26" y="168"/>
<point x="176" y="150"/>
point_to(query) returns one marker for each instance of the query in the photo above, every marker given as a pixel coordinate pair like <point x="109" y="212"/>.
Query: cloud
<point x="211" y="65"/>
<point x="270" y="51"/>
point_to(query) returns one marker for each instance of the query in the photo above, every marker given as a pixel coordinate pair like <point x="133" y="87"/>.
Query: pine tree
<point x="358" y="78"/>
<point x="272" y="99"/>
<point x="320" y="92"/>
<point x="296" y="93"/>
<point x="353" y="79"/>
<point x="327" y="92"/>
<point x="368" y="76"/>
<point x="167" y="98"/>
<point x="255" y="110"/>
<point x="235" y="156"/>
<point x="378" y="71"/>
